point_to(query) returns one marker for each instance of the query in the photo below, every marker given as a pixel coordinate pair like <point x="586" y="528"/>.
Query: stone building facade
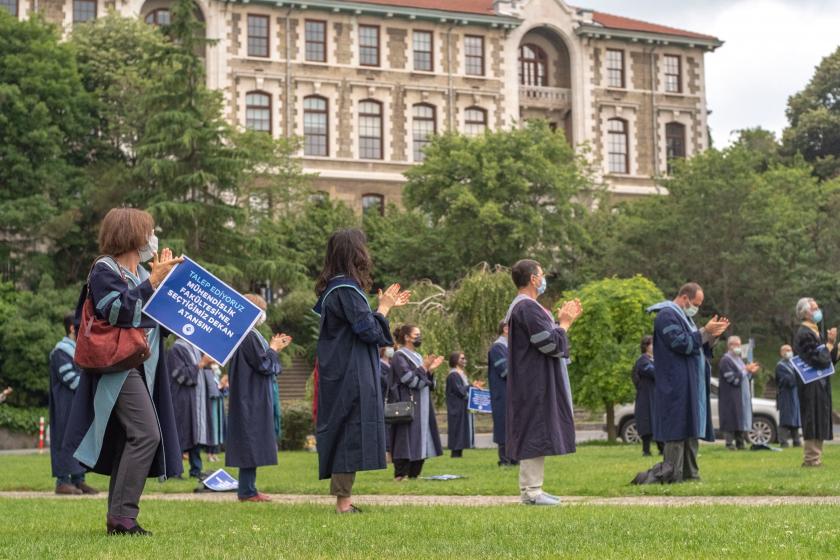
<point x="366" y="82"/>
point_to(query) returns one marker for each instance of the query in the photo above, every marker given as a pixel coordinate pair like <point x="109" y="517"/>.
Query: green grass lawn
<point x="34" y="529"/>
<point x="595" y="470"/>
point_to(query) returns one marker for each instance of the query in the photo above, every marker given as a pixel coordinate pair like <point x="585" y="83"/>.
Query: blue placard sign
<point x="203" y="310"/>
<point x="808" y="373"/>
<point x="221" y="481"/>
<point x="479" y="401"/>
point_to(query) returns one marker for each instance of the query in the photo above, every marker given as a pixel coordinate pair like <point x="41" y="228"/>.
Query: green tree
<point x="605" y="341"/>
<point x="497" y="197"/>
<point x="44" y="122"/>
<point x="814" y="119"/>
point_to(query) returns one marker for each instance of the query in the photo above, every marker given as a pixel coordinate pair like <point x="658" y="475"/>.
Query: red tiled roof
<point x="481" y="7"/>
<point x="611" y="21"/>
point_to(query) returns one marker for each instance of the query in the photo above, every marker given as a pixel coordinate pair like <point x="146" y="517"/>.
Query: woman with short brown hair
<point x="122" y="424"/>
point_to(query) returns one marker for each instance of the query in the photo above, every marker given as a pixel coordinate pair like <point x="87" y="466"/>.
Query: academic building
<point x="366" y="83"/>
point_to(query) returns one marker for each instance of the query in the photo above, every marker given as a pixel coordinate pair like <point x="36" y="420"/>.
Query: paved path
<point x="473" y="501"/>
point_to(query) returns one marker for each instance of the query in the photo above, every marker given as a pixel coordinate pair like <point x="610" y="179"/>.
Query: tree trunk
<point x="611" y="433"/>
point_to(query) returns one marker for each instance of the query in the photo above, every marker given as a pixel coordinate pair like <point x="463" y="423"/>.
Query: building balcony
<point x="540" y="97"/>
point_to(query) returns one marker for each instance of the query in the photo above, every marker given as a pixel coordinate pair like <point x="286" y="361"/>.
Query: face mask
<point x="147" y="252"/>
<point x="788" y="355"/>
<point x="737" y="351"/>
<point x="691" y="310"/>
<point x="261" y="319"/>
<point x="541" y="288"/>
<point x="389" y="353"/>
<point x="817" y="316"/>
<point x="418" y="341"/>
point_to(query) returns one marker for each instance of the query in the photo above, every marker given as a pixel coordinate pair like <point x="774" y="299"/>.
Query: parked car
<point x="765" y="420"/>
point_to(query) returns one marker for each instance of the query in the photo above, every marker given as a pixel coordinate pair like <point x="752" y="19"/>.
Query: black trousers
<point x="646" y="444"/>
<point x="136" y="414"/>
<point x="406" y="467"/>
<point x="456" y="453"/>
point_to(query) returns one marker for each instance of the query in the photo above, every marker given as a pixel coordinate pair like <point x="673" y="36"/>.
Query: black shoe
<point x="200" y="476"/>
<point x="115" y="528"/>
<point x="646" y="454"/>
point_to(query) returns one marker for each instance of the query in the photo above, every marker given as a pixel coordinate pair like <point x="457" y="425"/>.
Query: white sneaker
<point x="542" y="500"/>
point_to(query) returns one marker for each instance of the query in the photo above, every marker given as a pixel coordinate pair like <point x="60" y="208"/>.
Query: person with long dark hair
<point x="460" y="425"/>
<point x="351" y="424"/>
<point x="644" y="380"/>
<point x="122" y="424"/>
<point x="413" y="380"/>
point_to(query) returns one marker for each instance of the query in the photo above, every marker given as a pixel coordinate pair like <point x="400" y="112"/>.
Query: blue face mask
<point x="817" y="316"/>
<point x="541" y="288"/>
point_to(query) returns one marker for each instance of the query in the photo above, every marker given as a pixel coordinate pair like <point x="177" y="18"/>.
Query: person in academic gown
<point x="64" y="379"/>
<point x="251" y="441"/>
<point x="413" y="380"/>
<point x="814" y="397"/>
<point x="385" y="355"/>
<point x="682" y="403"/>
<point x="122" y="424"/>
<point x="539" y="417"/>
<point x="734" y="394"/>
<point x="351" y="421"/>
<point x="497" y="371"/>
<point x="787" y="398"/>
<point x="190" y="379"/>
<point x="645" y="381"/>
<point x="460" y="425"/>
<point x="218" y="424"/>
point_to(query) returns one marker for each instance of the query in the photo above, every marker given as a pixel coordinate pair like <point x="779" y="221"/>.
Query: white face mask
<point x="261" y="319"/>
<point x="147" y="252"/>
<point x="389" y="353"/>
<point x="788" y="355"/>
<point x="691" y="310"/>
<point x="738" y="351"/>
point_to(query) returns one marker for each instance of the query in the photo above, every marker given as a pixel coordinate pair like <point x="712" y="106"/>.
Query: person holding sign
<point x="540" y="421"/>
<point x="787" y="398"/>
<point x="351" y="417"/>
<point x="460" y="426"/>
<point x="122" y="424"/>
<point x="814" y="397"/>
<point x="735" y="395"/>
<point x="413" y="380"/>
<point x="251" y="440"/>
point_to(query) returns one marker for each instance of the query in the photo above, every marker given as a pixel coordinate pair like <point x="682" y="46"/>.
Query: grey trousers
<point x="136" y="414"/>
<point x="735" y="438"/>
<point x="682" y="456"/>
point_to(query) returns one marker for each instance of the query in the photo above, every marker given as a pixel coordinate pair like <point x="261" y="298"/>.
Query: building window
<point x="316" y="41"/>
<point x="84" y="10"/>
<point x="532" y="66"/>
<point x="424" y="126"/>
<point x="370" y="129"/>
<point x="157" y="17"/>
<point x="617" y="152"/>
<point x="316" y="136"/>
<point x="423" y="51"/>
<point x="319" y="198"/>
<point x="475" y="121"/>
<point x="258" y="36"/>
<point x="10" y="6"/>
<point x="373" y="204"/>
<point x="474" y="55"/>
<point x="615" y="68"/>
<point x="674" y="142"/>
<point x="673" y="74"/>
<point x="258" y="111"/>
<point x="369" y="45"/>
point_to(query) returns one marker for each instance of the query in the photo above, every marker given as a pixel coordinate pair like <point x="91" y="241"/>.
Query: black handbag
<point x="401" y="412"/>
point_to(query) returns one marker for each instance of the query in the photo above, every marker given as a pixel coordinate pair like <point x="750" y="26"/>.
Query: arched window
<point x="161" y="16"/>
<point x="370" y="129"/>
<point x="316" y="136"/>
<point x="423" y="126"/>
<point x="618" y="160"/>
<point x="533" y="66"/>
<point x="475" y="121"/>
<point x="373" y="203"/>
<point x="10" y="6"/>
<point x="674" y="142"/>
<point x="258" y="111"/>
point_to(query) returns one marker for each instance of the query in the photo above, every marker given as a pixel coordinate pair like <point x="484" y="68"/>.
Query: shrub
<point x="296" y="424"/>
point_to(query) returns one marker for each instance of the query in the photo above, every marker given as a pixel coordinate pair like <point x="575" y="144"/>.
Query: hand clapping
<point x="717" y="325"/>
<point x="280" y="342"/>
<point x="568" y="313"/>
<point x="161" y="265"/>
<point x="392" y="297"/>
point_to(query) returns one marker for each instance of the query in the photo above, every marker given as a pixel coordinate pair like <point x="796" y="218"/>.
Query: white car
<point x="765" y="420"/>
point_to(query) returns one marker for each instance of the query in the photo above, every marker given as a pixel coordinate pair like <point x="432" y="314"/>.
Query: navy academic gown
<point x="250" y="440"/>
<point x="815" y="397"/>
<point x="351" y="420"/>
<point x="115" y="301"/>
<point x="539" y="420"/>
<point x="64" y="380"/>
<point x="459" y="420"/>
<point x="497" y="370"/>
<point x="645" y="382"/>
<point x="682" y="403"/>
<point x="734" y="398"/>
<point x="416" y="440"/>
<point x="384" y="380"/>
<point x="183" y="381"/>
<point x="787" y="395"/>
